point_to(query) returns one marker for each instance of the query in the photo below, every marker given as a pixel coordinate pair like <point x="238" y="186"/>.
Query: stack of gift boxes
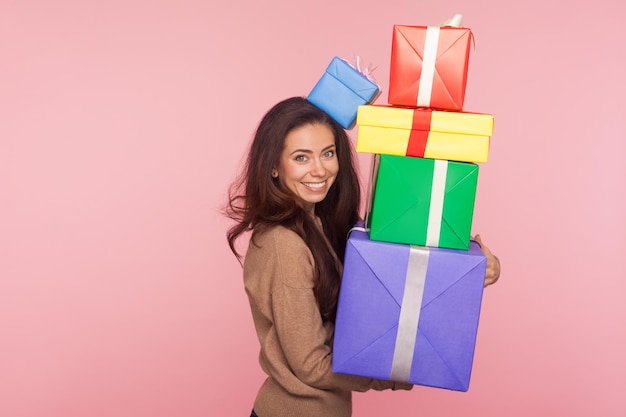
<point x="413" y="279"/>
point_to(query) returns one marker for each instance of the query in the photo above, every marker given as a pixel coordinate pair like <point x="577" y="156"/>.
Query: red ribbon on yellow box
<point x="424" y="133"/>
<point x="429" y="66"/>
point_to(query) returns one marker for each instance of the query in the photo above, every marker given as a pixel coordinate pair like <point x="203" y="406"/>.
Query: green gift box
<point x="420" y="201"/>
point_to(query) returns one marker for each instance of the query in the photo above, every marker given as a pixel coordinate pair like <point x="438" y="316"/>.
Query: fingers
<point x="484" y="248"/>
<point x="492" y="273"/>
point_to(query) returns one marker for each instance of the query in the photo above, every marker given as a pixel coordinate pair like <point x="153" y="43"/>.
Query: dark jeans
<point x="253" y="414"/>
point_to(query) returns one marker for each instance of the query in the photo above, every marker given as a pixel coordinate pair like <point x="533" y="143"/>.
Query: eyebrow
<point x="310" y="151"/>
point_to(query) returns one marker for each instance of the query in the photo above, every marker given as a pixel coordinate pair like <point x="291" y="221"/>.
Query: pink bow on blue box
<point x="342" y="89"/>
<point x="408" y="313"/>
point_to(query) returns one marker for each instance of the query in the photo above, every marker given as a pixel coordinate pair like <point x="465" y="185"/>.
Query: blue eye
<point x="301" y="158"/>
<point x="329" y="154"/>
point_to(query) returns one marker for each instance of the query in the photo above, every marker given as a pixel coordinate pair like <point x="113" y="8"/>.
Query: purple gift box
<point x="408" y="313"/>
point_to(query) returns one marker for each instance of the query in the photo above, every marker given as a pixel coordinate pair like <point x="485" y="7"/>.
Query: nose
<point x="318" y="169"/>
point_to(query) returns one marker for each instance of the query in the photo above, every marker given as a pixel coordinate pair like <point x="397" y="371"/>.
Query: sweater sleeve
<point x="304" y="339"/>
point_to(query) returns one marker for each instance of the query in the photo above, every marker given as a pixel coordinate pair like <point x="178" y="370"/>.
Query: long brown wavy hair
<point x="257" y="201"/>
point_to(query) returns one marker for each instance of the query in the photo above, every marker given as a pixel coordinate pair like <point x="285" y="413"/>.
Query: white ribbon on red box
<point x="431" y="43"/>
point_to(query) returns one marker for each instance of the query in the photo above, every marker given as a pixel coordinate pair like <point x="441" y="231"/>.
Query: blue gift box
<point x="408" y="313"/>
<point x="341" y="90"/>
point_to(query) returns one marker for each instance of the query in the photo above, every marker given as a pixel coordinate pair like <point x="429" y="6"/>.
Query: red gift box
<point x="429" y="66"/>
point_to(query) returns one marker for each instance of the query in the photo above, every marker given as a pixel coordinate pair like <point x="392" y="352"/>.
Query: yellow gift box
<point x="424" y="133"/>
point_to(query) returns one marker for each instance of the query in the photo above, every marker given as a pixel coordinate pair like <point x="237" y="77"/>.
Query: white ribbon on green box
<point x="437" y="195"/>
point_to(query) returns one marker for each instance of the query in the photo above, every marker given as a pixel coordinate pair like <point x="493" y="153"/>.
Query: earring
<point x="274" y="173"/>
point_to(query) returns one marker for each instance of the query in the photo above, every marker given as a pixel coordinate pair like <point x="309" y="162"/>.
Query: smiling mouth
<point x="314" y="185"/>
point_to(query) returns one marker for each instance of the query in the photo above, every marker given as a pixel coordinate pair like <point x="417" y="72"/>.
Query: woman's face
<point x="308" y="164"/>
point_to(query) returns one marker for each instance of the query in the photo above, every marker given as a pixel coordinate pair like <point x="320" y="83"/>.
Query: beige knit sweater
<point x="296" y="346"/>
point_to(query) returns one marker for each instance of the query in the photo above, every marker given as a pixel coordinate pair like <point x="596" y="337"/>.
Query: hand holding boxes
<point x="412" y="283"/>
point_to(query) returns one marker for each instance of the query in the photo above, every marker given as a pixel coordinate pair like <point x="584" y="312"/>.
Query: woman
<point x="299" y="195"/>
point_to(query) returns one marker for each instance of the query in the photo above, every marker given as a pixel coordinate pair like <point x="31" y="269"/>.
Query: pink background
<point x="123" y="122"/>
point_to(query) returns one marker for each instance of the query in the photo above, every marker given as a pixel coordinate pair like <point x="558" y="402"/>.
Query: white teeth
<point x="315" y="184"/>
